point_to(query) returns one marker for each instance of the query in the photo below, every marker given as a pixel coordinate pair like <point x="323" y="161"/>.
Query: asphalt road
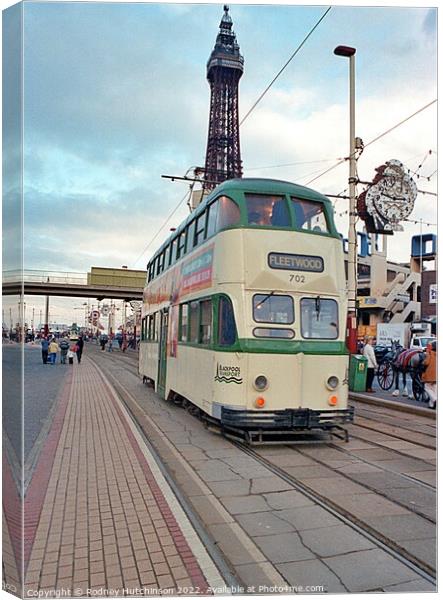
<point x="42" y="384"/>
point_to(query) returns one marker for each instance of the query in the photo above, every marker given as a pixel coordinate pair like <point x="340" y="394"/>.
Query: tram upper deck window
<point x="267" y="210"/>
<point x="212" y="219"/>
<point x="228" y="213"/>
<point x="272" y="308"/>
<point x="319" y="318"/>
<point x="310" y="215"/>
<point x="181" y="247"/>
<point x="200" y="226"/>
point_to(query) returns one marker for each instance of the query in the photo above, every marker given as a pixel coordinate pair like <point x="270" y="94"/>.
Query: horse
<point x="406" y="362"/>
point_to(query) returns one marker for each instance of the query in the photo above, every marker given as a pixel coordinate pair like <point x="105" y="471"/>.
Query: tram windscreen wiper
<point x="260" y="304"/>
<point x="317" y="307"/>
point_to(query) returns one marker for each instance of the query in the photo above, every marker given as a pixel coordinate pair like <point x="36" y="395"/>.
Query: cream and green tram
<point x="244" y="312"/>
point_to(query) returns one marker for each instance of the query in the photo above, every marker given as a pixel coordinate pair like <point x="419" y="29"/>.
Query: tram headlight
<point x="332" y="382"/>
<point x="261" y="383"/>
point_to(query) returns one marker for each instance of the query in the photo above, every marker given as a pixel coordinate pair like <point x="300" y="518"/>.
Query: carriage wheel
<point x="385" y="375"/>
<point x="418" y="389"/>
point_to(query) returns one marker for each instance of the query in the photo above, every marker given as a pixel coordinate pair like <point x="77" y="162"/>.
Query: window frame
<point x="337" y="324"/>
<point x="270" y="297"/>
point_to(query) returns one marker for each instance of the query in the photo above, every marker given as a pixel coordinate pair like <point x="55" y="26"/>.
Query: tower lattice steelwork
<point x="223" y="71"/>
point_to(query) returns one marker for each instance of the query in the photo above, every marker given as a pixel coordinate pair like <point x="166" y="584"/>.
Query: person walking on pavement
<point x="53" y="349"/>
<point x="368" y="351"/>
<point x="429" y="377"/>
<point x="79" y="351"/>
<point x="45" y="347"/>
<point x="64" y="347"/>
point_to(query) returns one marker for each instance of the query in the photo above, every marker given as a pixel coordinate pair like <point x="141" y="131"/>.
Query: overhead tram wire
<point x="374" y="140"/>
<point x="248" y="113"/>
<point x="259" y="99"/>
<point x="163" y="226"/>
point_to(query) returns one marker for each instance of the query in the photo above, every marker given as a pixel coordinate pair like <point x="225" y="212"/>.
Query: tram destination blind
<point x="296" y="262"/>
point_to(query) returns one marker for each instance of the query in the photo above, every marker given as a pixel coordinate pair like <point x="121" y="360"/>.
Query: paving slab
<point x="309" y="573"/>
<point x="260" y="485"/>
<point x="359" y="467"/>
<point x="424" y="550"/>
<point x="291" y="459"/>
<point x="404" y="465"/>
<point x="236" y="548"/>
<point x="240" y="505"/>
<point x="265" y="523"/>
<point x="429" y="477"/>
<point x="238" y="487"/>
<point x="281" y="548"/>
<point x="257" y="581"/>
<point x="403" y="527"/>
<point x="415" y="498"/>
<point x="369" y="570"/>
<point x="208" y="511"/>
<point x="373" y="454"/>
<point x="382" y="480"/>
<point x="308" y="517"/>
<point x="332" y="486"/>
<point x="309" y="472"/>
<point x="417" y="585"/>
<point x="287" y="499"/>
<point x="331" y="541"/>
<point x="368" y="505"/>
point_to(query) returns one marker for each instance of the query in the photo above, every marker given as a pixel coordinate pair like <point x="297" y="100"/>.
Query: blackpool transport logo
<point x="227" y="374"/>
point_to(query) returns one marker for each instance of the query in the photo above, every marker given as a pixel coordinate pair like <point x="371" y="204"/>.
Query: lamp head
<point x="344" y="51"/>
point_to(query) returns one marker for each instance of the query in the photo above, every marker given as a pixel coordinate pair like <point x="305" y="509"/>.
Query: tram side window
<point x="193" y="322"/>
<point x="183" y="333"/>
<point x="144" y="321"/>
<point x="212" y="219"/>
<point x="319" y="318"/>
<point x="151" y="329"/>
<point x="271" y="211"/>
<point x="205" y="322"/>
<point x="272" y="308"/>
<point x="173" y="251"/>
<point x="200" y="226"/>
<point x="181" y="247"/>
<point x="228" y="213"/>
<point x="227" y="331"/>
<point x="310" y="215"/>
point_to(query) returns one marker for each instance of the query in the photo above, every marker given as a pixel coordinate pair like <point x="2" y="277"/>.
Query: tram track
<point x="392" y="435"/>
<point x="395" y="549"/>
<point x="388" y="545"/>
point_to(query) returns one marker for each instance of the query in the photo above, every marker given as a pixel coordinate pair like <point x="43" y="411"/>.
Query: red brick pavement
<point x="100" y="519"/>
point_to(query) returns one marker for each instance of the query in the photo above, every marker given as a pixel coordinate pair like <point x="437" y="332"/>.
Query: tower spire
<point x="223" y="71"/>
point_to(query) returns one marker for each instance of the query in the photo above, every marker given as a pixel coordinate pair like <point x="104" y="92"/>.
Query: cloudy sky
<point x="115" y="95"/>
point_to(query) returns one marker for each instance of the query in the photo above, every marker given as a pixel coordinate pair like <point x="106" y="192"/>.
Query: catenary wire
<point x="284" y="66"/>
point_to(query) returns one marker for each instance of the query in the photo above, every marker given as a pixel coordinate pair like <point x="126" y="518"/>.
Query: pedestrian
<point x="45" y="347"/>
<point x="64" y="347"/>
<point x="79" y="351"/>
<point x="110" y="345"/>
<point x="429" y="377"/>
<point x="124" y="344"/>
<point x="53" y="349"/>
<point x="71" y="355"/>
<point x="368" y="351"/>
<point x="103" y="340"/>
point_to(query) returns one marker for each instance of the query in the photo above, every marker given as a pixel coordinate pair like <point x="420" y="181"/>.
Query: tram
<point x="244" y="312"/>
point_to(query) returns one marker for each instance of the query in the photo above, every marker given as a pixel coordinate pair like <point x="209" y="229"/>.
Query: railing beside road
<point x="36" y="276"/>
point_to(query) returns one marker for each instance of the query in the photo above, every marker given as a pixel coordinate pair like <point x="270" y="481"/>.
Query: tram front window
<point x="310" y="215"/>
<point x="267" y="210"/>
<point x="272" y="308"/>
<point x="319" y="318"/>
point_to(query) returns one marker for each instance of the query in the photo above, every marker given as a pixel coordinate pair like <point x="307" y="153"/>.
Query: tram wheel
<point x="385" y="375"/>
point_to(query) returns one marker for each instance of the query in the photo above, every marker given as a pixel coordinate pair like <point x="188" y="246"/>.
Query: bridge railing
<point x="36" y="276"/>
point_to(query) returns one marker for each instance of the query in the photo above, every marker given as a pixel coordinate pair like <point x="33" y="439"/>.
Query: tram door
<point x="162" y="352"/>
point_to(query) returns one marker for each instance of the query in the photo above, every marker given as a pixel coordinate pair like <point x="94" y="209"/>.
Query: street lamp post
<point x="349" y="52"/>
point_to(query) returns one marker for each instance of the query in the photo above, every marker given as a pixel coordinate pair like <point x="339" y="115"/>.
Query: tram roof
<point x="253" y="185"/>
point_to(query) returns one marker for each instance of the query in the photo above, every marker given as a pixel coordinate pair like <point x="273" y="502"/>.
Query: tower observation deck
<point x="223" y="70"/>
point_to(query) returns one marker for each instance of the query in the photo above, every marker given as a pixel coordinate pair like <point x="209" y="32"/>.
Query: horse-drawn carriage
<point x="403" y="362"/>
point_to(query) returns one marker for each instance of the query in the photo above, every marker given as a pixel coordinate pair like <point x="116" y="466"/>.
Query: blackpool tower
<point x="223" y="70"/>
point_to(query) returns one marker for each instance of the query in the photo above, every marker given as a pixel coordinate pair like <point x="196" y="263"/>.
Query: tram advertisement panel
<point x="194" y="274"/>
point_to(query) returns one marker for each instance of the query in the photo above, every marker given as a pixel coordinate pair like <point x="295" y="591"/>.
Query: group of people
<point x="429" y="376"/>
<point x="51" y="347"/>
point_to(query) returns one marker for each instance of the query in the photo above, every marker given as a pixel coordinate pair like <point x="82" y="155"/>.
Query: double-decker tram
<point x="244" y="313"/>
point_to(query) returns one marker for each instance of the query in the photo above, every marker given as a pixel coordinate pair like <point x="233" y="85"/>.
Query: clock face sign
<point x="391" y="199"/>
